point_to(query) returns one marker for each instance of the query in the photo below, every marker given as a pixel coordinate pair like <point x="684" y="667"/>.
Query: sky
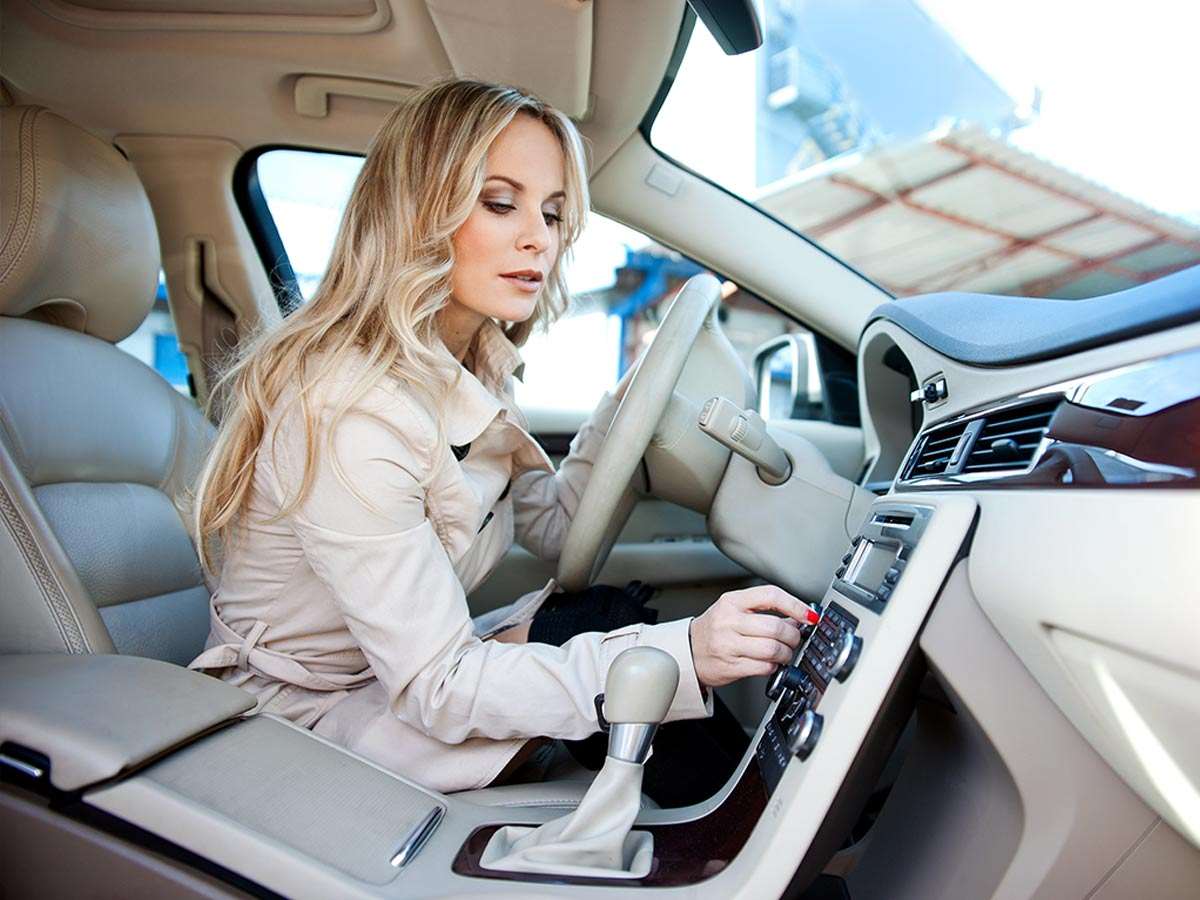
<point x="1118" y="87"/>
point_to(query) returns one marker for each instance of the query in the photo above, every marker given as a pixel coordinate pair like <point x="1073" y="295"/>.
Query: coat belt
<point x="245" y="653"/>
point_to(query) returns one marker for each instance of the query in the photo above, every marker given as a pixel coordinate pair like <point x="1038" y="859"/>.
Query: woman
<point x="372" y="468"/>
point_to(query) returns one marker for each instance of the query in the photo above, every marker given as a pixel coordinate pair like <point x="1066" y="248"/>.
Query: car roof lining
<point x="125" y="67"/>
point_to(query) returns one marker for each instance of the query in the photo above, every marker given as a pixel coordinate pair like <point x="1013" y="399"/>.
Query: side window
<point x="306" y="192"/>
<point x="621" y="282"/>
<point x="155" y="343"/>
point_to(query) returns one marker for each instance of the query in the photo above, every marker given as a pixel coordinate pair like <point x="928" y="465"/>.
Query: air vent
<point x="1010" y="437"/>
<point x="933" y="456"/>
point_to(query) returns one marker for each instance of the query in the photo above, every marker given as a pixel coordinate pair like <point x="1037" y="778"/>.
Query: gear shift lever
<point x="638" y="691"/>
<point x="596" y="839"/>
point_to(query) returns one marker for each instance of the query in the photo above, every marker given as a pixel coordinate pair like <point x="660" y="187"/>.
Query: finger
<point x="763" y="649"/>
<point x="746" y="668"/>
<point x="778" y="600"/>
<point x="761" y="625"/>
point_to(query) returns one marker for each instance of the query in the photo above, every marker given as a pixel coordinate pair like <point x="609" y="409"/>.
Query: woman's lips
<point x="528" y="286"/>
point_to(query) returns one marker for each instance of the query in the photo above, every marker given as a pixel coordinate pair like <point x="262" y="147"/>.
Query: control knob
<point x="804" y="732"/>
<point x="786" y="678"/>
<point x="847" y="656"/>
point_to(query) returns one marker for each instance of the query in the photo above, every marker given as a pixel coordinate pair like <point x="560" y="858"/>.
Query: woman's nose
<point x="535" y="233"/>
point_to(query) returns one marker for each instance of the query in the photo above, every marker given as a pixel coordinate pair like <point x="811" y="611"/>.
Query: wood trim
<point x="1134" y="427"/>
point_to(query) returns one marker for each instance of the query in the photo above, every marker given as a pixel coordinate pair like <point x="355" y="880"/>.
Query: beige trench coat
<point x="349" y="615"/>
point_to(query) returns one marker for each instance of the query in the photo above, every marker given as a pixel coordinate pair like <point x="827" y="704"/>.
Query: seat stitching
<point x="12" y="225"/>
<point x="27" y="201"/>
<point x="52" y="591"/>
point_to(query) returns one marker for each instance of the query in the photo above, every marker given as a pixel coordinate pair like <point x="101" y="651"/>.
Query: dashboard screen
<point x="870" y="563"/>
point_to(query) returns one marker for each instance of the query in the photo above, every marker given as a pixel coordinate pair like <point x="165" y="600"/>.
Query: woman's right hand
<point x="738" y="637"/>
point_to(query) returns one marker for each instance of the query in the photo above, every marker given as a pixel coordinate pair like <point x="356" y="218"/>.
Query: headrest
<point x="78" y="246"/>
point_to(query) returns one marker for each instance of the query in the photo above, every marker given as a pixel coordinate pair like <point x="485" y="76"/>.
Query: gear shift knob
<point x="640" y="686"/>
<point x="638" y="691"/>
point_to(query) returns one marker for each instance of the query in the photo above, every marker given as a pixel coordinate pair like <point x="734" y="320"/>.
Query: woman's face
<point x="506" y="248"/>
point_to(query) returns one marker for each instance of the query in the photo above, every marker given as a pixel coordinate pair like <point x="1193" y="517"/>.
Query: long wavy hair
<point x="388" y="277"/>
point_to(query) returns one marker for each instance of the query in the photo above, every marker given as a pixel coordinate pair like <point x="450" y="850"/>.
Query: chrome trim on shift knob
<point x="630" y="741"/>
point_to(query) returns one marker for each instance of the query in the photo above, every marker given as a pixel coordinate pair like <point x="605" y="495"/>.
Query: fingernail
<point x="812" y="617"/>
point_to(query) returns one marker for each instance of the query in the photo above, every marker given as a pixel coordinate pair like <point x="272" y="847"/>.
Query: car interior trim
<point x="987" y="330"/>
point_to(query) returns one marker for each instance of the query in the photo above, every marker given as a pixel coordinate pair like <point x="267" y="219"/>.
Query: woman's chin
<point x="515" y="310"/>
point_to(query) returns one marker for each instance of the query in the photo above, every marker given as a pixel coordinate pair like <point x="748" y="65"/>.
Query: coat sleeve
<point x="545" y="502"/>
<point x="366" y="535"/>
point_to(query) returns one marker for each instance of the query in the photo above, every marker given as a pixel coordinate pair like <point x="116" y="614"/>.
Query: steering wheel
<point x="609" y="496"/>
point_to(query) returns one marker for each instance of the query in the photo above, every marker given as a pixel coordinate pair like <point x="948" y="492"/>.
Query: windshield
<point x="1026" y="148"/>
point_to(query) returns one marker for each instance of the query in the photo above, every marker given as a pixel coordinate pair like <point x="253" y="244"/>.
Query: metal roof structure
<point x="962" y="210"/>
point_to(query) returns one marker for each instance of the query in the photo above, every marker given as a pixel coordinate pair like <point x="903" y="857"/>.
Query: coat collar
<point x="493" y="356"/>
<point x="478" y="398"/>
<point x="472" y="404"/>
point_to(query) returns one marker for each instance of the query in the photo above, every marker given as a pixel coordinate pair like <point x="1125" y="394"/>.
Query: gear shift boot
<point x="595" y="840"/>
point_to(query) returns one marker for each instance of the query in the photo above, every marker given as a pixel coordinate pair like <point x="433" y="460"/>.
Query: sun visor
<point x="543" y="46"/>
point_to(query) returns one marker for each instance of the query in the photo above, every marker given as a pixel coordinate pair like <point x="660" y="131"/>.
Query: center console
<point x="870" y="571"/>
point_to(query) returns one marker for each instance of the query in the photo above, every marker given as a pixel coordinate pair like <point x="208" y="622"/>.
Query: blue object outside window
<point x="169" y="361"/>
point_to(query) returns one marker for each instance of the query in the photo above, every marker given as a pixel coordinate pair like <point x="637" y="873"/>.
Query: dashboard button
<point x="793" y="709"/>
<point x="804" y="732"/>
<point x="786" y="678"/>
<point x="891" y="576"/>
<point x="847" y="657"/>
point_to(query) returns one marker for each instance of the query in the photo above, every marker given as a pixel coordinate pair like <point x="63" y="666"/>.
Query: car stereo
<point x="869" y="573"/>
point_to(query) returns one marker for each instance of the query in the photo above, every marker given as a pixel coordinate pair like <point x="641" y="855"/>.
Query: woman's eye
<point x="503" y="209"/>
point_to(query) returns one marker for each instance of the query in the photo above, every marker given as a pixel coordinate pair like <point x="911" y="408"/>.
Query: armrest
<point x="95" y="716"/>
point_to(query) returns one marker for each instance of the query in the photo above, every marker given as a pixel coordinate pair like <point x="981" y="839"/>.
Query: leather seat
<point x="95" y="447"/>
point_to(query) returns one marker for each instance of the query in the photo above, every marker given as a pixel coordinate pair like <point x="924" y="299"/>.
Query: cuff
<point x="691" y="701"/>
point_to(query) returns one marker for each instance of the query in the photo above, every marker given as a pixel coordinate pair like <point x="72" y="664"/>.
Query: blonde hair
<point x="388" y="276"/>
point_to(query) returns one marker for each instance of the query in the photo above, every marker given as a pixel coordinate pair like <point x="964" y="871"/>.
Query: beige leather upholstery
<point x="95" y="448"/>
<point x="63" y="706"/>
<point x="79" y="245"/>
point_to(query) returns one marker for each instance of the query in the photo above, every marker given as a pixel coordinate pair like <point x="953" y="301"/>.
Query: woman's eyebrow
<point x="557" y="195"/>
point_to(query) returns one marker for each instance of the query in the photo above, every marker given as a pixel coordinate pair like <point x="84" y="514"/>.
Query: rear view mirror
<point x="733" y="24"/>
